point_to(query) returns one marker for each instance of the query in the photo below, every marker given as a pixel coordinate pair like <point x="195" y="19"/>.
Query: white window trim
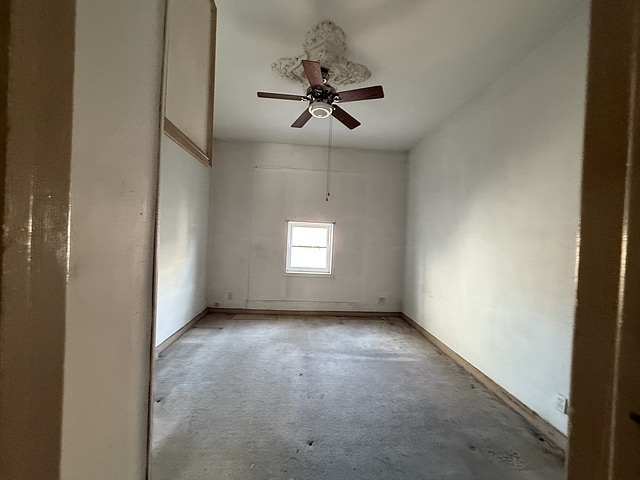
<point x="309" y="270"/>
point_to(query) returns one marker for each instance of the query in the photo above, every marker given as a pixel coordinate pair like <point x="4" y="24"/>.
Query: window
<point x="309" y="247"/>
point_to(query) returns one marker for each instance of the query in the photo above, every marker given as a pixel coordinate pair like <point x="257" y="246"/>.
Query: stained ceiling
<point x="431" y="56"/>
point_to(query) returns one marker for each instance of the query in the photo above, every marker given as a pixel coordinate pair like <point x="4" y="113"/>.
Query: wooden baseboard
<point x="551" y="434"/>
<point x="167" y="343"/>
<point x="302" y="313"/>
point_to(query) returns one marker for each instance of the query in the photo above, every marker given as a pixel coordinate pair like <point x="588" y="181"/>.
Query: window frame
<point x="329" y="249"/>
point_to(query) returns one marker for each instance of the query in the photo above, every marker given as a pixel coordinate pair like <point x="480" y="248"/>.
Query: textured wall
<point x="114" y="165"/>
<point x="183" y="220"/>
<point x="493" y="213"/>
<point x="256" y="187"/>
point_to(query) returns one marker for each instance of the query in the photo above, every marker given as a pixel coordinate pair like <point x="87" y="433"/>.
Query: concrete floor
<point x="284" y="397"/>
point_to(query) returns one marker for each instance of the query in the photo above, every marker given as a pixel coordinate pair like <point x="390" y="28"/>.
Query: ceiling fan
<point x="323" y="98"/>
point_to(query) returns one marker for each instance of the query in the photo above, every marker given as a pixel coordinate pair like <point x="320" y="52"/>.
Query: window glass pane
<point x="305" y="257"/>
<point x="309" y="236"/>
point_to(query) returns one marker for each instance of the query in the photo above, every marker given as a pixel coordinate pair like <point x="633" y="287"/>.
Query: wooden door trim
<point x="602" y="438"/>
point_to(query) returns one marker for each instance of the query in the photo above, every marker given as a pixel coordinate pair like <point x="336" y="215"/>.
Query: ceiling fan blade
<point x="345" y="118"/>
<point x="302" y="119"/>
<point x="281" y="96"/>
<point x="313" y="72"/>
<point x="366" y="93"/>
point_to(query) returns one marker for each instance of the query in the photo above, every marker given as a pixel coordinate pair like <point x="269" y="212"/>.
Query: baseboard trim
<point x="302" y="313"/>
<point x="184" y="329"/>
<point x="551" y="434"/>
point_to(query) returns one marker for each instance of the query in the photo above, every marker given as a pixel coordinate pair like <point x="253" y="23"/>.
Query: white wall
<point x="183" y="222"/>
<point x="115" y="145"/>
<point x="493" y="213"/>
<point x="256" y="187"/>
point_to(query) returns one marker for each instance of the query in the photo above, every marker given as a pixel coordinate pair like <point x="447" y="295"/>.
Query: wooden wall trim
<point x="179" y="137"/>
<point x="184" y="329"/>
<point x="4" y="123"/>
<point x="549" y="432"/>
<point x="605" y="387"/>
<point x="36" y="127"/>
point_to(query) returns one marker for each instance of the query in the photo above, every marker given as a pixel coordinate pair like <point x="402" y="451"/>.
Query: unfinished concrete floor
<point x="285" y="397"/>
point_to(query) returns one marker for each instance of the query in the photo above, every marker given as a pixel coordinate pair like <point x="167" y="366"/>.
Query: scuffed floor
<point x="284" y="397"/>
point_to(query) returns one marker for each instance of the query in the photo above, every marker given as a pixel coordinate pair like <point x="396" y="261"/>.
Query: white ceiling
<point x="431" y="56"/>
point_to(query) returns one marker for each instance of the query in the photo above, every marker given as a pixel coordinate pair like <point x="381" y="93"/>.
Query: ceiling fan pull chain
<point x="329" y="159"/>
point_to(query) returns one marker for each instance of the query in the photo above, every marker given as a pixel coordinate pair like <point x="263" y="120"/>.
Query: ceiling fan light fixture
<point x="320" y="109"/>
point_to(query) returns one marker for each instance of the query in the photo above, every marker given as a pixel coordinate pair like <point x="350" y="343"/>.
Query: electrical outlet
<point x="381" y="300"/>
<point x="229" y="295"/>
<point x="561" y="404"/>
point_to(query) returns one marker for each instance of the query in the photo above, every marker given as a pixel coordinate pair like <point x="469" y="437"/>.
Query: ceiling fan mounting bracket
<point x="325" y="74"/>
<point x="326" y="94"/>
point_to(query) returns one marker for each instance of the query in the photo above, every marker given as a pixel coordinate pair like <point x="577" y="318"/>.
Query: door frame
<point x="603" y="440"/>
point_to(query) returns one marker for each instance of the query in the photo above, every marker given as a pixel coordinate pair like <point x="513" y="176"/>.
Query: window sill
<point x="311" y="275"/>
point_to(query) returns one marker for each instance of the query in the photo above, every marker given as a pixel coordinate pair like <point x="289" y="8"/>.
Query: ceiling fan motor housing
<point x="320" y="100"/>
